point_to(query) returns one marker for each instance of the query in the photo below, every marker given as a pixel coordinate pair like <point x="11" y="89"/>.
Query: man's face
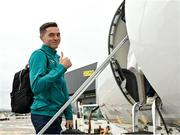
<point x="51" y="37"/>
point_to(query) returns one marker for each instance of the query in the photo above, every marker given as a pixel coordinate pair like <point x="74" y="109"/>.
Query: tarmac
<point x="16" y="125"/>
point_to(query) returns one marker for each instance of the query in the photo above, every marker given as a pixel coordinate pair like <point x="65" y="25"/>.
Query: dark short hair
<point x="46" y="25"/>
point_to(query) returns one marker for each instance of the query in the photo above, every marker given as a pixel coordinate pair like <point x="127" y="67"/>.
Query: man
<point x="47" y="70"/>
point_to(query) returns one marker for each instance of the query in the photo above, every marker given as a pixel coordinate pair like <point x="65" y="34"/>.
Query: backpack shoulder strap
<point x="27" y="65"/>
<point x="46" y="56"/>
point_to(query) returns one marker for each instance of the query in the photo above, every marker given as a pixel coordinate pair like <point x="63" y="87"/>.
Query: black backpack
<point x="21" y="95"/>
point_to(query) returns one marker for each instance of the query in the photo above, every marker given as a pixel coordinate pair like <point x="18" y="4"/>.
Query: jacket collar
<point x="48" y="50"/>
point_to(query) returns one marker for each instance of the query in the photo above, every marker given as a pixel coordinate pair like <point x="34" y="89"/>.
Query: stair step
<point x="138" y="132"/>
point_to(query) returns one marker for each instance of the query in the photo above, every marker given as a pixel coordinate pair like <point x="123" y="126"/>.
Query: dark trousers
<point x="150" y="92"/>
<point x="39" y="121"/>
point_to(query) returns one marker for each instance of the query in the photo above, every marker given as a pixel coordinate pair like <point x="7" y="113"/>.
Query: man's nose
<point x="56" y="37"/>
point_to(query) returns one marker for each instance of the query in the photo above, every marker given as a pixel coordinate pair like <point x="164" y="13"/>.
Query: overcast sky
<point x="84" y="26"/>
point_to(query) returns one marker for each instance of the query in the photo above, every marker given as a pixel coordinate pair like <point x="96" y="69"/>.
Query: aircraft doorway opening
<point x="131" y="83"/>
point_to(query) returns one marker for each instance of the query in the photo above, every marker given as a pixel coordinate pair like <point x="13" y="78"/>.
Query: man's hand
<point x="69" y="124"/>
<point x="65" y="61"/>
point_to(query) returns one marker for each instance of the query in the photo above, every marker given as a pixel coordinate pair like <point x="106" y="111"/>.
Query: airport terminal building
<point x="76" y="78"/>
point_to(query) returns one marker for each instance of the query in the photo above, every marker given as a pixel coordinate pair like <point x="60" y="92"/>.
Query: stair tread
<point x="140" y="132"/>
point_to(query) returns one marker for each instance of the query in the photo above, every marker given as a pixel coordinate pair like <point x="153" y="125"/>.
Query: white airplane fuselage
<point x="153" y="28"/>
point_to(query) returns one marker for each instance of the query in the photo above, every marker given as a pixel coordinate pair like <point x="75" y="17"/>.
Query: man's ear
<point x="41" y="37"/>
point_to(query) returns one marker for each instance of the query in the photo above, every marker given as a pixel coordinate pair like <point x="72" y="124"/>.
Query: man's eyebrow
<point x="54" y="33"/>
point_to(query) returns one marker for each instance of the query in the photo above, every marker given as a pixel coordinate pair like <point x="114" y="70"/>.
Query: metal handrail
<point x="84" y="86"/>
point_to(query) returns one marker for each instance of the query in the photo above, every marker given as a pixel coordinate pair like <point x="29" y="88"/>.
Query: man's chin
<point x="53" y="46"/>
